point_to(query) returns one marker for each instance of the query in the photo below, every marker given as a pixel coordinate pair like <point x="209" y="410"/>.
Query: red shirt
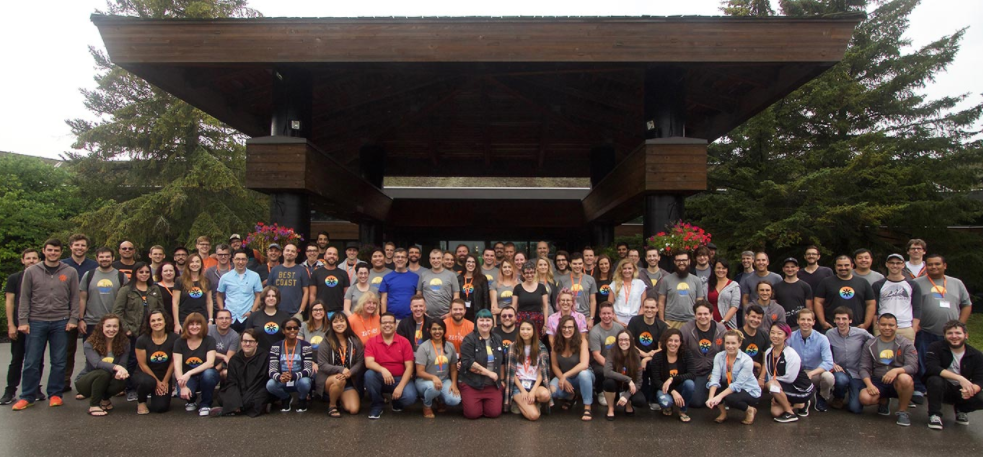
<point x="392" y="357"/>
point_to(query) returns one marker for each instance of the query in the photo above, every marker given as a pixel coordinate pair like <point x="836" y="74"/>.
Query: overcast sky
<point x="47" y="58"/>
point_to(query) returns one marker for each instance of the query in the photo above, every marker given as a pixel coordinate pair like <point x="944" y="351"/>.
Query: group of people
<point x="502" y="331"/>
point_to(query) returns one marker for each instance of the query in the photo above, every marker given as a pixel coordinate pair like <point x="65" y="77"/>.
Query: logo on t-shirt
<point x="62" y="278"/>
<point x="491" y="355"/>
<point x="847" y="292"/>
<point x="751" y="350"/>
<point x="271" y="328"/>
<point x="604" y="290"/>
<point x="159" y="357"/>
<point x="468" y="289"/>
<point x="886" y="356"/>
<point x="377" y="280"/>
<point x="704" y="346"/>
<point x="938" y="292"/>
<point x="645" y="339"/>
<point x="673" y="373"/>
<point x="193" y="362"/>
<point x="331" y="281"/>
<point x="316" y="341"/>
<point x="107" y="359"/>
<point x="440" y="362"/>
<point x="576" y="289"/>
<point x="608" y="342"/>
<point x="436" y="284"/>
<point x="682" y="289"/>
<point x="489" y="278"/>
<point x="506" y="344"/>
<point x="506" y="297"/>
<point x="105" y="286"/>
<point x="195" y="292"/>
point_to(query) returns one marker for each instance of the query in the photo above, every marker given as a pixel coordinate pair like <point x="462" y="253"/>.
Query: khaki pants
<point x="676" y="324"/>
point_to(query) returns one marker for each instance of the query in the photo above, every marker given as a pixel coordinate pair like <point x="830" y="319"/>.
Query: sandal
<point x="667" y="412"/>
<point x="97" y="412"/>
<point x="565" y="404"/>
<point x="142" y="409"/>
<point x="333" y="412"/>
<point x="683" y="417"/>
<point x="106" y="405"/>
<point x="587" y="416"/>
<point x="80" y="397"/>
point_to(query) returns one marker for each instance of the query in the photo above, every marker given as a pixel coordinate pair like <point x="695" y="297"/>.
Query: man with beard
<point x="180" y="256"/>
<point x="622" y="249"/>
<point x="749" y="283"/>
<point x="499" y="253"/>
<point x="863" y="260"/>
<point x="272" y="261"/>
<point x="97" y="295"/>
<point x="460" y="255"/>
<point x="322" y="243"/>
<point x="127" y="258"/>
<point x="329" y="283"/>
<point x="791" y="293"/>
<point x="292" y="280"/>
<point x="812" y="273"/>
<point x="678" y="293"/>
<point x="703" y="269"/>
<point x="457" y="326"/>
<point x="953" y="374"/>
<point x="379" y="269"/>
<point x="507" y="330"/>
<point x="414" y="253"/>
<point x="845" y="289"/>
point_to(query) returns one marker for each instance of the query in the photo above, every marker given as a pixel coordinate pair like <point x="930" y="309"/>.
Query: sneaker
<point x="804" y="410"/>
<point x="131" y="395"/>
<point x="41" y="396"/>
<point x="884" y="409"/>
<point x="301" y="406"/>
<point x="821" y="404"/>
<point x="397" y="406"/>
<point x="285" y="405"/>
<point x="962" y="418"/>
<point x="22" y="405"/>
<point x="918" y="398"/>
<point x="934" y="422"/>
<point x="55" y="401"/>
<point x="655" y="407"/>
<point x="602" y="400"/>
<point x="514" y="409"/>
<point x="190" y="406"/>
<point x="903" y="419"/>
<point x="8" y="398"/>
<point x="786" y="418"/>
<point x="375" y="414"/>
<point x="204" y="410"/>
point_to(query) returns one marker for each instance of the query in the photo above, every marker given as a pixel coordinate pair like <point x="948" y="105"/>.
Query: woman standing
<point x="361" y="286"/>
<point x="194" y="357"/>
<point x="341" y="363"/>
<point x="623" y="376"/>
<point x="155" y="349"/>
<point x="570" y="362"/>
<point x="733" y="372"/>
<point x="291" y="368"/>
<point x="364" y="319"/>
<point x="193" y="296"/>
<point x="316" y="328"/>
<point x="436" y="370"/>
<point x="481" y="367"/>
<point x="603" y="279"/>
<point x="783" y="375"/>
<point x="724" y="295"/>
<point x="267" y="320"/>
<point x="133" y="301"/>
<point x="527" y="371"/>
<point x="671" y="375"/>
<point x="628" y="292"/>
<point x="530" y="298"/>
<point x="501" y="295"/>
<point x="106" y="353"/>
<point x="474" y="288"/>
<point x="167" y="273"/>
<point x="544" y="275"/>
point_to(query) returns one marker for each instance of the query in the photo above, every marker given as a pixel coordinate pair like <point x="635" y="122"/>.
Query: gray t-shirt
<point x="102" y="294"/>
<point x="941" y="302"/>
<point x="375" y="279"/>
<point x="602" y="340"/>
<point x="315" y="337"/>
<point x="583" y="290"/>
<point x="438" y="289"/>
<point x="704" y="276"/>
<point x="354" y="294"/>
<point x="871" y="276"/>
<point x="292" y="282"/>
<point x="749" y="284"/>
<point x="491" y="275"/>
<point x="439" y="366"/>
<point x="224" y="343"/>
<point x="681" y="295"/>
<point x="504" y="294"/>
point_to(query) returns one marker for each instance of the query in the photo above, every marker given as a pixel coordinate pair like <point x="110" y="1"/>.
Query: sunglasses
<point x="291" y="328"/>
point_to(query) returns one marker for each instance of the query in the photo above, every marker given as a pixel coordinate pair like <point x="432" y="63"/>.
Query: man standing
<point x="622" y="249"/>
<point x="703" y="269"/>
<point x="652" y="274"/>
<point x="97" y="295"/>
<point x="915" y="266"/>
<point x="292" y="281"/>
<point x="397" y="287"/>
<point x="543" y="250"/>
<point x="127" y="258"/>
<point x="845" y="289"/>
<point x="583" y="286"/>
<point x="847" y="343"/>
<point x="214" y="273"/>
<point x="812" y="273"/>
<point x="413" y="255"/>
<point x="749" y="283"/>
<point x="272" y="261"/>
<point x="747" y="266"/>
<point x="378" y="270"/>
<point x="157" y="257"/>
<point x="323" y="238"/>
<point x="817" y="358"/>
<point x="635" y="258"/>
<point x="438" y="286"/>
<point x="499" y="252"/>
<point x="488" y="267"/>
<point x="678" y="293"/>
<point x="238" y="291"/>
<point x="180" y="256"/>
<point x="589" y="259"/>
<point x="600" y="340"/>
<point x="226" y="341"/>
<point x="235" y="243"/>
<point x="863" y="260"/>
<point x="457" y="326"/>
<point x="204" y="246"/>
<point x="79" y="246"/>
<point x="953" y="374"/>
<point x="899" y="296"/>
<point x="313" y="261"/>
<point x="509" y="250"/>
<point x="791" y="293"/>
<point x="49" y="309"/>
<point x="888" y="365"/>
<point x="18" y="341"/>
<point x="351" y="260"/>
<point x="330" y="283"/>
<point x="390" y="249"/>
<point x="389" y="368"/>
<point x="416" y="328"/>
<point x="460" y="255"/>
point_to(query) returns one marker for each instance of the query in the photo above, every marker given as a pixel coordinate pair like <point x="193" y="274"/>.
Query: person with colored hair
<point x="155" y="349"/>
<point x="291" y="368"/>
<point x="436" y="370"/>
<point x="341" y="364"/>
<point x="671" y="377"/>
<point x="194" y="357"/>
<point x="564" y="307"/>
<point x="623" y="376"/>
<point x="267" y="320"/>
<point x="481" y="367"/>
<point x="785" y="377"/>
<point x="527" y="370"/>
<point x="570" y="362"/>
<point x="732" y="382"/>
<point x="105" y="373"/>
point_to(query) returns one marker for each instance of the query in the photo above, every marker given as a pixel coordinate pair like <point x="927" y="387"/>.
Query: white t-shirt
<point x="915" y="269"/>
<point x="957" y="360"/>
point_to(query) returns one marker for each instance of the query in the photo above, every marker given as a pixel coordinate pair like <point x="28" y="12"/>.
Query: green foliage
<point x="166" y="171"/>
<point x="747" y="8"/>
<point x="859" y="157"/>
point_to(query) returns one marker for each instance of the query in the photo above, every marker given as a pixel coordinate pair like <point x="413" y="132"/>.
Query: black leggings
<point x="740" y="400"/>
<point x="637" y="399"/>
<point x="147" y="386"/>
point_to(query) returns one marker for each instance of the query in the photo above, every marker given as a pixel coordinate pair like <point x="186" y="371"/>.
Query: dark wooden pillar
<point x="665" y="117"/>
<point x="372" y="168"/>
<point x="602" y="161"/>
<point x="292" y="95"/>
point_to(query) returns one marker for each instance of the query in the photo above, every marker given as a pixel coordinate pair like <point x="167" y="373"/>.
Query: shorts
<point x="886" y="390"/>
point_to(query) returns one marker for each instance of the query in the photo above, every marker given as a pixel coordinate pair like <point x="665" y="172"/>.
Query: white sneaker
<point x="601" y="400"/>
<point x="655" y="407"/>
<point x="190" y="407"/>
<point x="204" y="411"/>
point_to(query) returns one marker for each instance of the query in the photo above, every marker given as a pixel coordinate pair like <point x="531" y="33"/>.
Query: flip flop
<point x="106" y="405"/>
<point x="683" y="417"/>
<point x="97" y="412"/>
<point x="80" y="397"/>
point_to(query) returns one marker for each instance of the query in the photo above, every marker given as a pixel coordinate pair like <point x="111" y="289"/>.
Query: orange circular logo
<point x="62" y="278"/>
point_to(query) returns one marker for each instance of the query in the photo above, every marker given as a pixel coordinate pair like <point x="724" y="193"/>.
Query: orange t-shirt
<point x="456" y="333"/>
<point x="364" y="328"/>
<point x="209" y="262"/>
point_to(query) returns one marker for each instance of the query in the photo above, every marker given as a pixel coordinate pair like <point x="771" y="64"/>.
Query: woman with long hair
<point x="193" y="296"/>
<point x="603" y="277"/>
<point x="133" y="301"/>
<point x="530" y="298"/>
<point x="316" y="328"/>
<point x="623" y="376"/>
<point x="365" y="320"/>
<point x="194" y="357"/>
<point x="628" y="291"/>
<point x="155" y="349"/>
<point x="570" y="362"/>
<point x="501" y="295"/>
<point x="361" y="287"/>
<point x="784" y="376"/>
<point x="268" y="318"/>
<point x="341" y="362"/>
<point x="732" y="382"/>
<point x="291" y="368"/>
<point x="724" y="294"/>
<point x="105" y="374"/>
<point x="544" y="275"/>
<point x="527" y="371"/>
<point x="670" y="373"/>
<point x="474" y="288"/>
<point x="436" y="370"/>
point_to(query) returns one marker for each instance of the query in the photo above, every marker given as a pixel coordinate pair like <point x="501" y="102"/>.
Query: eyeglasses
<point x="291" y="328"/>
<point x="248" y="341"/>
<point x="125" y="249"/>
<point x="221" y="255"/>
<point x="508" y="316"/>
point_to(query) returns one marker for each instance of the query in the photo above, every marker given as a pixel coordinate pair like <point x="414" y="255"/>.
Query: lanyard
<point x="944" y="285"/>
<point x="439" y="353"/>
<point x="627" y="292"/>
<point x="730" y="368"/>
<point x="775" y="357"/>
<point x="341" y="353"/>
<point x="350" y="271"/>
<point x="468" y="286"/>
<point x="290" y="356"/>
<point x="576" y="291"/>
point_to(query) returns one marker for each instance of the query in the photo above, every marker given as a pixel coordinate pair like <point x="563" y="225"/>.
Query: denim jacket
<point x="742" y="375"/>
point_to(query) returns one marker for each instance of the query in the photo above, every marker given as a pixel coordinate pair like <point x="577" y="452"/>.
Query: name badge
<point x="944" y="304"/>
<point x="774" y="389"/>
<point x="467" y="304"/>
<point x="290" y="383"/>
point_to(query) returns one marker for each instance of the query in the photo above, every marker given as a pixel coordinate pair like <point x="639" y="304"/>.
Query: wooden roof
<point x="479" y="96"/>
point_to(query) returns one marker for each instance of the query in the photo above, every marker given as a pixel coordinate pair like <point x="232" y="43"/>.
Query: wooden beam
<point x="436" y="213"/>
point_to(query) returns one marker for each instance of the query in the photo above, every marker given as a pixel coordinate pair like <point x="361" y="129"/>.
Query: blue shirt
<point x="240" y="292"/>
<point x="814" y="350"/>
<point x="86" y="266"/>
<point x="399" y="287"/>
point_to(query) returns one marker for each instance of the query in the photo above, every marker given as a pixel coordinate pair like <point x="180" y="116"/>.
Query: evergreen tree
<point x="167" y="171"/>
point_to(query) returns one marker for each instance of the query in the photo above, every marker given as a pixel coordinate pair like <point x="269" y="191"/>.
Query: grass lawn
<point x="975" y="328"/>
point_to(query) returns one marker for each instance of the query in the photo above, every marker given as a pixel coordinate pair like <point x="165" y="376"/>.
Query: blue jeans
<point x="280" y="390"/>
<point x="54" y="335"/>
<point x="922" y="340"/>
<point x="426" y="389"/>
<point x="685" y="390"/>
<point x="376" y="387"/>
<point x="583" y="384"/>
<point x="846" y="382"/>
<point x="206" y="382"/>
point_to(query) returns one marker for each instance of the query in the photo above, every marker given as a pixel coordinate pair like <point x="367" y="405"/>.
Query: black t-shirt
<point x="13" y="287"/>
<point x="531" y="302"/>
<point x="509" y="338"/>
<point x="646" y="336"/>
<point x="269" y="328"/>
<point x="706" y="336"/>
<point x="124" y="268"/>
<point x="158" y="356"/>
<point x="193" y="300"/>
<point x="167" y="295"/>
<point x="603" y="292"/>
<point x="792" y="297"/>
<point x="852" y="293"/>
<point x="264" y="271"/>
<point x="191" y="358"/>
<point x="330" y="286"/>
<point x="755" y="346"/>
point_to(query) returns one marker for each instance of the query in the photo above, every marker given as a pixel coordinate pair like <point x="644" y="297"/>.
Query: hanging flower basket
<point x="265" y="235"/>
<point x="682" y="237"/>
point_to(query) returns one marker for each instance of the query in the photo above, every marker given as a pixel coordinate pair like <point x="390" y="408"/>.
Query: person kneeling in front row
<point x="733" y="370"/>
<point x="291" y="367"/>
<point x="244" y="389"/>
<point x="953" y="374"/>
<point x="888" y="364"/>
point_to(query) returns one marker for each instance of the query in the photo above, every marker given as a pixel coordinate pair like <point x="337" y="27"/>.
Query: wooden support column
<point x="291" y="117"/>
<point x="602" y="162"/>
